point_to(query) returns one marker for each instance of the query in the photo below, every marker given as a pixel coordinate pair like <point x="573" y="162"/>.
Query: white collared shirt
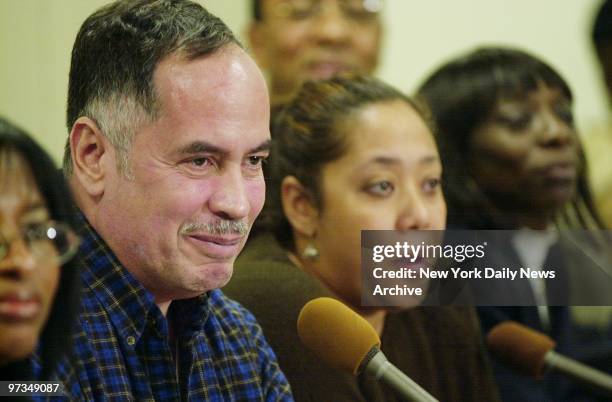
<point x="532" y="247"/>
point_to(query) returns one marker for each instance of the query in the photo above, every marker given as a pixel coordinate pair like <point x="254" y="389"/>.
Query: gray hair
<point x="115" y="55"/>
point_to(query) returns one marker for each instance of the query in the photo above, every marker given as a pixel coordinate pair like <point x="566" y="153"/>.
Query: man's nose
<point x="230" y="199"/>
<point x="331" y="25"/>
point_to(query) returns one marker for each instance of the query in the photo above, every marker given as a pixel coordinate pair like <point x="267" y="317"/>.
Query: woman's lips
<point x="408" y="262"/>
<point x="413" y="264"/>
<point x="561" y="172"/>
<point x="558" y="180"/>
<point x="19" y="306"/>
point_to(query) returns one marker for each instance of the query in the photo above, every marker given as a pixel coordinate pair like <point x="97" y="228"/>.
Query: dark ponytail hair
<point x="309" y="132"/>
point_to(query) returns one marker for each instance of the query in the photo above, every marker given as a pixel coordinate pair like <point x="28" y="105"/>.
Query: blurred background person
<point x="602" y="40"/>
<point x="297" y="40"/>
<point x="513" y="160"/>
<point x="598" y="139"/>
<point x="414" y="38"/>
<point x="352" y="153"/>
<point x="38" y="289"/>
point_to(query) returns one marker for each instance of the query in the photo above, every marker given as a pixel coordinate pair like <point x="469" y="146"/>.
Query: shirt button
<point x="131" y="340"/>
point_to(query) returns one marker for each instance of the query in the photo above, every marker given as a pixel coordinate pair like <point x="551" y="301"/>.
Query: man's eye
<point x="200" y="162"/>
<point x="256" y="160"/>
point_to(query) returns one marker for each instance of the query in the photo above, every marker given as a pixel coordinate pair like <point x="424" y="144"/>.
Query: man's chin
<point x="215" y="275"/>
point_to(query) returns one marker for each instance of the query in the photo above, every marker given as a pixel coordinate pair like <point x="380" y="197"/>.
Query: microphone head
<point x="520" y="347"/>
<point x="336" y="334"/>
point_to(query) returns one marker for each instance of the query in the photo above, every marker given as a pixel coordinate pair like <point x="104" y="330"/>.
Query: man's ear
<point x="88" y="149"/>
<point x="257" y="38"/>
<point x="299" y="207"/>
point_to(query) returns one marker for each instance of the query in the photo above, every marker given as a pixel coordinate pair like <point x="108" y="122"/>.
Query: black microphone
<point x="345" y="340"/>
<point x="531" y="353"/>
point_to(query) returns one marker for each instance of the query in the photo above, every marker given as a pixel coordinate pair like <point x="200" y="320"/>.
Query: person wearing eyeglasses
<point x="297" y="40"/>
<point x="38" y="291"/>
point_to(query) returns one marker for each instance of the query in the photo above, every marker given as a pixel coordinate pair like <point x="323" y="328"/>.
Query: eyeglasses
<point x="45" y="241"/>
<point x="354" y="10"/>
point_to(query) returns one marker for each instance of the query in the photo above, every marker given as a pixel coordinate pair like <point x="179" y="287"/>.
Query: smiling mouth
<point x="217" y="247"/>
<point x="220" y="240"/>
<point x="325" y="70"/>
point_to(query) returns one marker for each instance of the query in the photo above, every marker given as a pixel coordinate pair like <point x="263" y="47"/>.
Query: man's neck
<point x="164" y="307"/>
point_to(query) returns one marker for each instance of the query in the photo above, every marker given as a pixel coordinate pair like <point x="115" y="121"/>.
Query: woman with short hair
<point x="513" y="161"/>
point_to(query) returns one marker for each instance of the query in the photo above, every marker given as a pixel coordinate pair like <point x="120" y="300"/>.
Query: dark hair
<point x="309" y="132"/>
<point x="461" y="96"/>
<point x="115" y="54"/>
<point x="55" y="338"/>
<point x="602" y="24"/>
<point x="256" y="10"/>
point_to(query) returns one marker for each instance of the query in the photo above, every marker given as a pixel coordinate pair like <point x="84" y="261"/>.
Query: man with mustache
<point x="168" y="120"/>
<point x="297" y="40"/>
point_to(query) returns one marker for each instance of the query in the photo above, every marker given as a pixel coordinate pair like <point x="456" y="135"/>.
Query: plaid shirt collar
<point x="129" y="305"/>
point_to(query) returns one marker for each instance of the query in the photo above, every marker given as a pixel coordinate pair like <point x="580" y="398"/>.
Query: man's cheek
<point x="256" y="193"/>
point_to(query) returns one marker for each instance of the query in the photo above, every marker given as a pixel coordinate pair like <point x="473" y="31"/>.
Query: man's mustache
<point x="219" y="227"/>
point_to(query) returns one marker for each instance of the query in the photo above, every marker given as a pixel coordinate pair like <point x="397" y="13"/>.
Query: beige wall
<point x="36" y="37"/>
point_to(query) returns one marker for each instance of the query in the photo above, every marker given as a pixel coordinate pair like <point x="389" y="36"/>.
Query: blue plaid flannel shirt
<point x="122" y="350"/>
